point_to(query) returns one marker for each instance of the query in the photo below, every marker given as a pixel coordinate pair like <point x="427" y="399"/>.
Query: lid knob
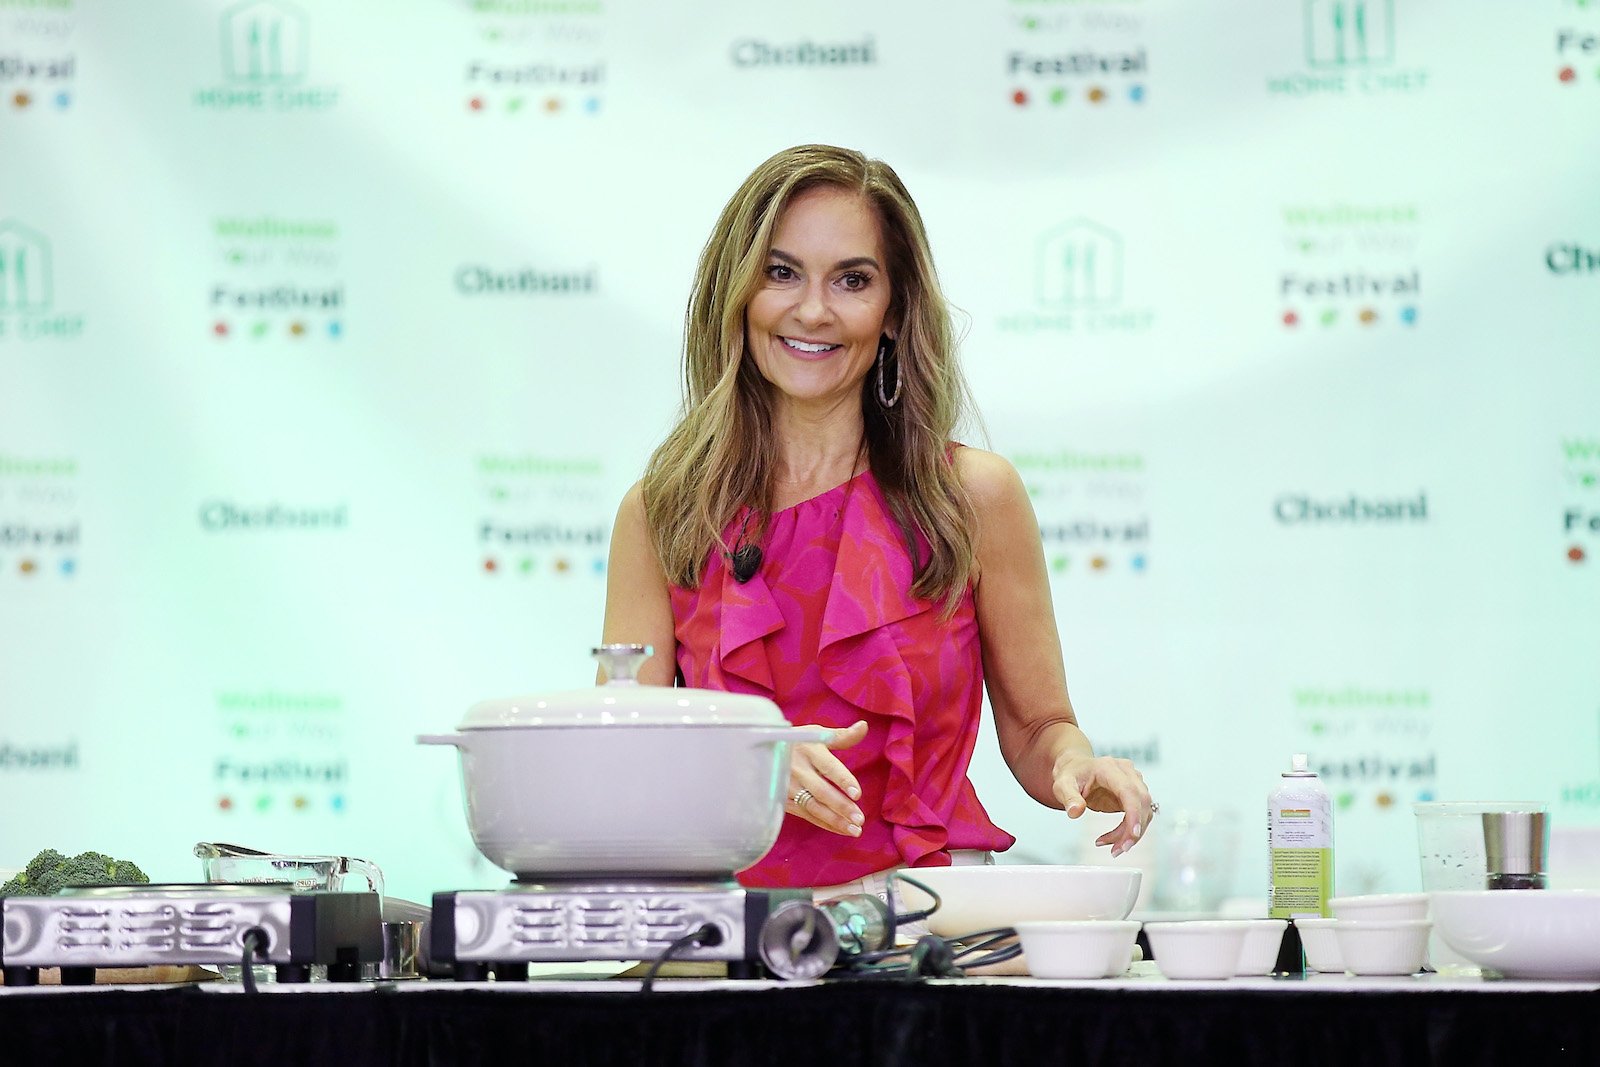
<point x="622" y="662"/>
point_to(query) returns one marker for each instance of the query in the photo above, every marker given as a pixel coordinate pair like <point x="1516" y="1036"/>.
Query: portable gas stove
<point x="204" y="924"/>
<point x="502" y="931"/>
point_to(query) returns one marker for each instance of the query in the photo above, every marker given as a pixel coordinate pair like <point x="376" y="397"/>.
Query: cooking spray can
<point x="1300" y="856"/>
<point x="1300" y="844"/>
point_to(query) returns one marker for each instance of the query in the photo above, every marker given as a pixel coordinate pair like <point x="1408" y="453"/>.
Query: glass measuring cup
<point x="306" y="873"/>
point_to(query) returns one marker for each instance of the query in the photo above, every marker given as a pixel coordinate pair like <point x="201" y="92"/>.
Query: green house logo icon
<point x="24" y="268"/>
<point x="1079" y="265"/>
<point x="263" y="41"/>
<point x="1349" y="33"/>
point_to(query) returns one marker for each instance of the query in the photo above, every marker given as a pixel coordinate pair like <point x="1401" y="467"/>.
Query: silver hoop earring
<point x="887" y="401"/>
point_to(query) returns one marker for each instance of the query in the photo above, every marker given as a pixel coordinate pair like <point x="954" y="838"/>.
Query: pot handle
<point x="772" y="735"/>
<point x="440" y="739"/>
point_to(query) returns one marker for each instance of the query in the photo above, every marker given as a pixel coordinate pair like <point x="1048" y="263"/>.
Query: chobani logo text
<point x="224" y="516"/>
<point x="1301" y="509"/>
<point x="750" y="52"/>
<point x="477" y="280"/>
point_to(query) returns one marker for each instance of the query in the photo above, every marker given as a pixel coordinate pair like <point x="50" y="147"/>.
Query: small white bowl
<point x="1380" y="906"/>
<point x="1085" y="949"/>
<point x="980" y="897"/>
<point x="1206" y="948"/>
<point x="1320" y="945"/>
<point x="1262" y="939"/>
<point x="1382" y="946"/>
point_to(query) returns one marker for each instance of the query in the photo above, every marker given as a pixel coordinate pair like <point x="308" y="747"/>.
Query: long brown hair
<point x="722" y="454"/>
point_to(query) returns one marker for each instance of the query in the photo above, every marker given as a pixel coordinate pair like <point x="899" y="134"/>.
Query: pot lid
<point x="624" y="702"/>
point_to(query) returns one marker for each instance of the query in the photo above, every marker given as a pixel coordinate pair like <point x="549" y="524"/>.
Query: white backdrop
<point x="331" y="333"/>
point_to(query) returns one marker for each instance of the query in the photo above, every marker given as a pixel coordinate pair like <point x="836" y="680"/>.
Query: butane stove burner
<point x="176" y="925"/>
<point x="559" y="921"/>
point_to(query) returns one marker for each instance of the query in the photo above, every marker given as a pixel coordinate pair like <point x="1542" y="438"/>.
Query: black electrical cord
<point x="255" y="947"/>
<point x="914" y="916"/>
<point x="707" y="934"/>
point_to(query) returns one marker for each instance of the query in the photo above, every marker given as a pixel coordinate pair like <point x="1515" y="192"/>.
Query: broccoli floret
<point x="47" y="860"/>
<point x="127" y="873"/>
<point x="88" y="868"/>
<point x="50" y="872"/>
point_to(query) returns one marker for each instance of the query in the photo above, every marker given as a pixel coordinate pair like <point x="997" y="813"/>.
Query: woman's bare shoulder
<point x="989" y="477"/>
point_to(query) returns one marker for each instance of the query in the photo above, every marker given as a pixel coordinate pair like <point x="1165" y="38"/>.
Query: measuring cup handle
<point x="369" y="871"/>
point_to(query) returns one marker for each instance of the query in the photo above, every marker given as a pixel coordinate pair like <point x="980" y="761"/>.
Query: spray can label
<point x="1300" y="832"/>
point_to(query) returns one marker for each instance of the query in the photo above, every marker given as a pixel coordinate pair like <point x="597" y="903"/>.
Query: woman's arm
<point x="1023" y="670"/>
<point x="638" y="607"/>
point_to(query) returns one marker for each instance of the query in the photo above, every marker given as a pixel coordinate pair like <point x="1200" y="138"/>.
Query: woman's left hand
<point x="1106" y="783"/>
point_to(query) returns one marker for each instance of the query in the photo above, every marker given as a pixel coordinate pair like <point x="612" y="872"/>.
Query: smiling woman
<point x="810" y="531"/>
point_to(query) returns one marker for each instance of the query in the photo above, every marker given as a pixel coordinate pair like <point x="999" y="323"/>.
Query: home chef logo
<point x="226" y="516"/>
<point x="1348" y="49"/>
<point x="283" y="751"/>
<point x="27" y="288"/>
<point x="1079" y="268"/>
<point x="29" y="757"/>
<point x="748" y="53"/>
<point x="277" y="279"/>
<point x="1075" y="55"/>
<point x="1349" y="264"/>
<point x="543" y="516"/>
<point x="40" y="531"/>
<point x="265" y="59"/>
<point x="1093" y="517"/>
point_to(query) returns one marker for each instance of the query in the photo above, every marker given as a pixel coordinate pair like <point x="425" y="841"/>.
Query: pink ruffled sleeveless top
<point x="829" y="630"/>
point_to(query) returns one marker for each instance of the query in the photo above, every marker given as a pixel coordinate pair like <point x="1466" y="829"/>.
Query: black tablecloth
<point x="831" y="1025"/>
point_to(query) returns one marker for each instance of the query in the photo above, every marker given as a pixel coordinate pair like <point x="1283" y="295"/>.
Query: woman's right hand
<point x="821" y="788"/>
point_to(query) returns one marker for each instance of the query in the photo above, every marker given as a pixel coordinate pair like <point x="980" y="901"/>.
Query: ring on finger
<point x="1155" y="807"/>
<point x="801" y="798"/>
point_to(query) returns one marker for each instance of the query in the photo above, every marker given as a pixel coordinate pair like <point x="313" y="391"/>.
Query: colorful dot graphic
<point x="260" y="329"/>
<point x="1567" y="74"/>
<point x="225" y="803"/>
<point x="1368" y="316"/>
<point x="1058" y="96"/>
<point x="1408" y="315"/>
<point x="27" y="566"/>
<point x="69" y="567"/>
<point x="1290" y="319"/>
<point x="1136" y="93"/>
<point x="297" y="329"/>
<point x="1138" y="563"/>
<point x="22" y="99"/>
<point x="300" y="802"/>
<point x="562" y="565"/>
<point x="475" y="104"/>
<point x="514" y="104"/>
<point x="490" y="566"/>
<point x="1347" y="800"/>
<point x="1098" y="563"/>
<point x="336" y="802"/>
<point x="1060" y="563"/>
<point x="1576" y="554"/>
<point x="1425" y="795"/>
<point x="335" y="330"/>
<point x="1020" y="98"/>
<point x="592" y="105"/>
<point x="264" y="802"/>
<point x="552" y="105"/>
<point x="1384" y="800"/>
<point x="1330" y="317"/>
<point x="1097" y="95"/>
<point x="220" y="329"/>
<point x="63" y="100"/>
<point x="528" y="564"/>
